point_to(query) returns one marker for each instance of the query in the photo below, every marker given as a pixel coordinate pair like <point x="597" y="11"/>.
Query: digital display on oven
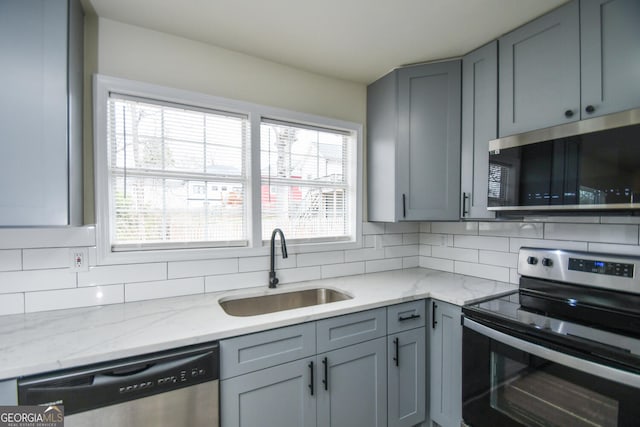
<point x="601" y="267"/>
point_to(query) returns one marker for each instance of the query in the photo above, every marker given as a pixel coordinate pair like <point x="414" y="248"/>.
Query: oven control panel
<point x="601" y="267"/>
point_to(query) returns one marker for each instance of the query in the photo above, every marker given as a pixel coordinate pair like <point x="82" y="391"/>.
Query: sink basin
<point x="252" y="306"/>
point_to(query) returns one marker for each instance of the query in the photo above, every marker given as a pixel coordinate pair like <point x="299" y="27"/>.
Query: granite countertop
<point x="47" y="341"/>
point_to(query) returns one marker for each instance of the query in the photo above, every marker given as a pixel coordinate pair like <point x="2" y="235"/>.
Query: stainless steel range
<point x="562" y="351"/>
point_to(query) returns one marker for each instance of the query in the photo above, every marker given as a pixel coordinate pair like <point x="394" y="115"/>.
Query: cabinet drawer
<point x="265" y="349"/>
<point x="351" y="329"/>
<point x="405" y="316"/>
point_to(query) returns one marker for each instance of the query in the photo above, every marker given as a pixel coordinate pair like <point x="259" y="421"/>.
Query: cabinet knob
<point x="590" y="109"/>
<point x="568" y="113"/>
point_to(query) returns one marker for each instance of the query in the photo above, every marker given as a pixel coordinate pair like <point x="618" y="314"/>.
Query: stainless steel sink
<point x="263" y="304"/>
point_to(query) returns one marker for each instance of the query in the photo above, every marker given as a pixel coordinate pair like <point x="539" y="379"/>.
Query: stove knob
<point x="532" y="260"/>
<point x="547" y="262"/>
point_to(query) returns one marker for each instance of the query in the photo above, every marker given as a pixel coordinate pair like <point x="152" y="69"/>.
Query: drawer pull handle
<point x="311" y="385"/>
<point x="404" y="318"/>
<point x="434" y="322"/>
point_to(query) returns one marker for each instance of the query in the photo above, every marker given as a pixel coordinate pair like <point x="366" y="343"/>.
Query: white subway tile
<point x="116" y="274"/>
<point x="433" y="239"/>
<point x="10" y="260"/>
<point x="514" y="277"/>
<point x="465" y="227"/>
<point x="511" y="229"/>
<point x="482" y="270"/>
<point x="345" y="269"/>
<point x="383" y="265"/>
<point x="571" y="219"/>
<point x="411" y="262"/>
<point x="600" y="233"/>
<point x="470" y="255"/>
<point x="436" y="263"/>
<point x="516" y="243"/>
<point x="401" y="251"/>
<point x="425" y="250"/>
<point x="365" y="254"/>
<point x="300" y="274"/>
<point x="614" y="249"/>
<point x="36" y="280"/>
<point x="11" y="304"/>
<point x="206" y="267"/>
<point x="163" y="289"/>
<point x="93" y="256"/>
<point x="482" y="242"/>
<point x="47" y="237"/>
<point x="225" y="282"/>
<point x="425" y="227"/>
<point x="320" y="258"/>
<point x="620" y="220"/>
<point x="401" y="227"/>
<point x="391" y="239"/>
<point x="261" y="263"/>
<point x="369" y="241"/>
<point x="72" y="298"/>
<point x="373" y="228"/>
<point x="39" y="259"/>
<point x="502" y="259"/>
<point x="411" y="239"/>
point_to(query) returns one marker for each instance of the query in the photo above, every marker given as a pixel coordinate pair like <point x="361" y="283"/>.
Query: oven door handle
<point x="587" y="366"/>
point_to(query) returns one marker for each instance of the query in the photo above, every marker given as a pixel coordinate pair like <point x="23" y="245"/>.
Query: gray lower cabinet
<point x="539" y="68"/>
<point x="610" y="56"/>
<point x="413" y="144"/>
<point x="407" y="395"/>
<point x="41" y="46"/>
<point x="8" y="392"/>
<point x="277" y="396"/>
<point x="445" y="344"/>
<point x="479" y="126"/>
<point x="352" y="391"/>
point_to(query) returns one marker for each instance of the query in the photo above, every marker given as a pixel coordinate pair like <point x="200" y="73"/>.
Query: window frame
<point x="104" y="85"/>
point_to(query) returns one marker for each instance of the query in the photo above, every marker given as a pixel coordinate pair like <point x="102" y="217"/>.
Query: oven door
<point x="510" y="381"/>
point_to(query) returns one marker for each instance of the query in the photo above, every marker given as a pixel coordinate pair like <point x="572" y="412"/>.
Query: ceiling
<point x="355" y="40"/>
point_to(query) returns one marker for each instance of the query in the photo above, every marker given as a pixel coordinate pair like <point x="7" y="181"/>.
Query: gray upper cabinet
<point x="41" y="108"/>
<point x="539" y="67"/>
<point x="413" y="143"/>
<point x="479" y="126"/>
<point x="610" y="55"/>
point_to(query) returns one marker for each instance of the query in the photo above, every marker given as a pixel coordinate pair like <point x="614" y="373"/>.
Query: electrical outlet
<point x="79" y="258"/>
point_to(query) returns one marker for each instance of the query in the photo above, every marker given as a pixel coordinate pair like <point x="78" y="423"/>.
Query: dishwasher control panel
<point x="91" y="387"/>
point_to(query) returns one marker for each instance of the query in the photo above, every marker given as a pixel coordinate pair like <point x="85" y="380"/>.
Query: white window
<point x="180" y="173"/>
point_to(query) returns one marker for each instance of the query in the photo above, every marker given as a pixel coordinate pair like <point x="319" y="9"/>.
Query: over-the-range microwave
<point x="588" y="165"/>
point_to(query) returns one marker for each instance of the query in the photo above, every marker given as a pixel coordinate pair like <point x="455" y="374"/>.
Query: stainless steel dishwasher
<point x="171" y="388"/>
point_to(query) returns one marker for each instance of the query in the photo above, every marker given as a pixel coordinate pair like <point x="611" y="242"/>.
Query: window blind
<point x="177" y="175"/>
<point x="305" y="185"/>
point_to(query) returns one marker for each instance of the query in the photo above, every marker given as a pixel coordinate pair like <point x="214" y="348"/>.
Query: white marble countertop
<point x="41" y="342"/>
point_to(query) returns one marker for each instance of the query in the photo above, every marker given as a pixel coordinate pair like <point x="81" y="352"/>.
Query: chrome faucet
<point x="273" y="280"/>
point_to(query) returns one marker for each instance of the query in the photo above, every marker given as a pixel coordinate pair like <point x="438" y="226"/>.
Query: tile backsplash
<point x="35" y="273"/>
<point x="489" y="249"/>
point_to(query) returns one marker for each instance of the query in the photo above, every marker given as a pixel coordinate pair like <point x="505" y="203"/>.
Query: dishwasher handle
<point x="107" y="384"/>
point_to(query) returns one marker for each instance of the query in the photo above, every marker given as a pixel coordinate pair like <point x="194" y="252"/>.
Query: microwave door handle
<point x="592" y="368"/>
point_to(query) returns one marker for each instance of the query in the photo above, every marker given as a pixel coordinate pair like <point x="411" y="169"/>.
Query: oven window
<point x="533" y="395"/>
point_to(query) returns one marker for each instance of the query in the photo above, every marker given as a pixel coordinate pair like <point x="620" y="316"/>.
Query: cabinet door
<point x="479" y="126"/>
<point x="407" y="378"/>
<point x="33" y="107"/>
<point x="279" y="396"/>
<point x="610" y="48"/>
<point x="428" y="176"/>
<point x="445" y="346"/>
<point x="539" y="70"/>
<point x="352" y="386"/>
